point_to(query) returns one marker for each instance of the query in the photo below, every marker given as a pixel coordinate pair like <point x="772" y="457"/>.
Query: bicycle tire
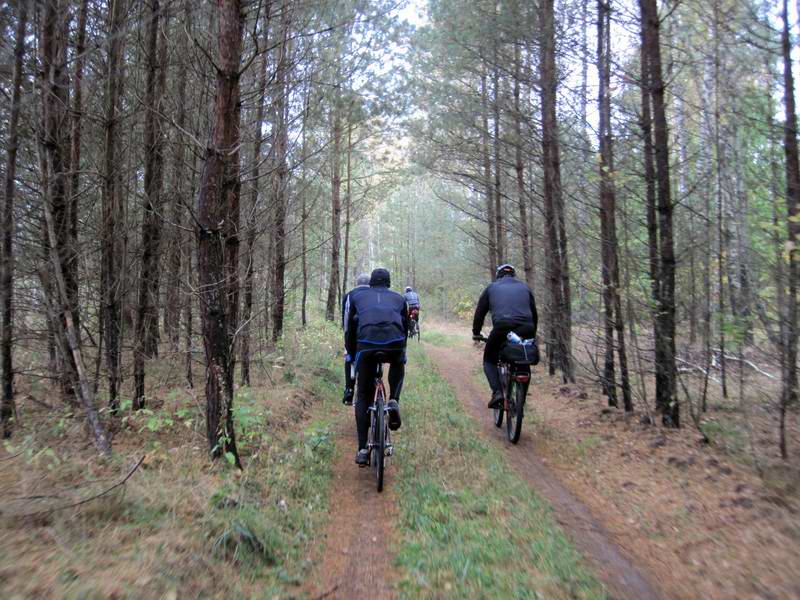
<point x="516" y="403"/>
<point x="498" y="417"/>
<point x="379" y="441"/>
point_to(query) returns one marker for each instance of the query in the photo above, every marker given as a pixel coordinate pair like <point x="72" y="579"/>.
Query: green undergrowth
<point x="470" y="527"/>
<point x="183" y="525"/>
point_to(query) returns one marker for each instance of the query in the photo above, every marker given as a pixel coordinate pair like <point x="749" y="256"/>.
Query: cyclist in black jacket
<point x="513" y="308"/>
<point x="362" y="283"/>
<point x="377" y="322"/>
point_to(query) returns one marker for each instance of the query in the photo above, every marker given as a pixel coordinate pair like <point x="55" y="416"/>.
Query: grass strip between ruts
<point x="470" y="527"/>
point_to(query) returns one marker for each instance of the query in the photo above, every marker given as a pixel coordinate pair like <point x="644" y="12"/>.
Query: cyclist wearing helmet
<point x="513" y="308"/>
<point x="377" y="322"/>
<point x="362" y="283"/>
<point x="412" y="299"/>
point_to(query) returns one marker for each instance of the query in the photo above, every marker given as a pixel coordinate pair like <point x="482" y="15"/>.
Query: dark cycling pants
<point x="367" y="366"/>
<point x="491" y="354"/>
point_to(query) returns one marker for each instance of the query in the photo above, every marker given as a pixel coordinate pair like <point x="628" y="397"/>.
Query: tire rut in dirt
<point x="356" y="561"/>
<point x="621" y="576"/>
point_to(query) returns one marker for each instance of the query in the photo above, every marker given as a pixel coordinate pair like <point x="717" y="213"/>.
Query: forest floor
<point x="697" y="519"/>
<point x="589" y="505"/>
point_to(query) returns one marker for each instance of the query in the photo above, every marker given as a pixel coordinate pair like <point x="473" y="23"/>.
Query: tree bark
<point x="7" y="408"/>
<point x="614" y="322"/>
<point x="790" y="392"/>
<point x="336" y="212"/>
<point x="494" y="260"/>
<point x="520" y="169"/>
<point x="71" y="267"/>
<point x="280" y="182"/>
<point x="560" y="312"/>
<point x="218" y="236"/>
<point x="112" y="205"/>
<point x="146" y="342"/>
<point x="496" y="142"/>
<point x="666" y="399"/>
<point x="249" y="260"/>
<point x="175" y="248"/>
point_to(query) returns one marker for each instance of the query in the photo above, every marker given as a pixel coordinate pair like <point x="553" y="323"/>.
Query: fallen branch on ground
<point x="90" y="498"/>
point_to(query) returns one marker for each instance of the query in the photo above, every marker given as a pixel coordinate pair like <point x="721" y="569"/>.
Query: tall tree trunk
<point x="304" y="213"/>
<point x="494" y="259"/>
<point x="519" y="167"/>
<point x="112" y="209"/>
<point x="71" y="267"/>
<point x="336" y="212"/>
<point x="217" y="236"/>
<point x="175" y="248"/>
<point x="722" y="234"/>
<point x="7" y="408"/>
<point x="607" y="200"/>
<point x="146" y="337"/>
<point x="55" y="132"/>
<point x="347" y="206"/>
<point x="608" y="220"/>
<point x="790" y="391"/>
<point x="560" y="317"/>
<point x="666" y="398"/>
<point x="55" y="139"/>
<point x="498" y="194"/>
<point x="249" y="259"/>
<point x="281" y="180"/>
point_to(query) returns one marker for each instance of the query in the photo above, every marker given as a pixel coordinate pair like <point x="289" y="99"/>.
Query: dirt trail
<point x="356" y="559"/>
<point x="620" y="575"/>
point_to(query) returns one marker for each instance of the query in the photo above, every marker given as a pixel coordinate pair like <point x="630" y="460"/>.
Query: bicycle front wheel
<point x="378" y="448"/>
<point x="516" y="402"/>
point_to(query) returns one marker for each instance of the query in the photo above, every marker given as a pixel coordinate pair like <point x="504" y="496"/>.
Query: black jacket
<point x="510" y="301"/>
<point x="376" y="317"/>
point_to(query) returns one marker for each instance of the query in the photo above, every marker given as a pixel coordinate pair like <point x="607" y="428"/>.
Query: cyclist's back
<point x="412" y="298"/>
<point x="513" y="308"/>
<point x="377" y="322"/>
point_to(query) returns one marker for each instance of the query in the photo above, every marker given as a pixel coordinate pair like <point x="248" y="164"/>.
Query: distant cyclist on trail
<point x="362" y="283"/>
<point x="376" y="322"/>
<point x="513" y="308"/>
<point x="412" y="299"/>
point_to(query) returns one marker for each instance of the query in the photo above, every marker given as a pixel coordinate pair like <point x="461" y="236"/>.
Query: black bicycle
<point x="515" y="378"/>
<point x="380" y="439"/>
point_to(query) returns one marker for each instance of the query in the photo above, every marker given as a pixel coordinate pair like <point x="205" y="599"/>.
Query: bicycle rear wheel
<point x="498" y="417"/>
<point x="378" y="447"/>
<point x="516" y="403"/>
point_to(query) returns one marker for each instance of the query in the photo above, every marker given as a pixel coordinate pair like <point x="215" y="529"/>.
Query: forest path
<point x="623" y="579"/>
<point x="355" y="561"/>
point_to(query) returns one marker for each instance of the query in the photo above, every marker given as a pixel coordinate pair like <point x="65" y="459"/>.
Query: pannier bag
<point x="526" y="353"/>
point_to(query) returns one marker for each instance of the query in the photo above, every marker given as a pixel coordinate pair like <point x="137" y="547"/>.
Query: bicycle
<point x="413" y="327"/>
<point x="380" y="440"/>
<point x="515" y="378"/>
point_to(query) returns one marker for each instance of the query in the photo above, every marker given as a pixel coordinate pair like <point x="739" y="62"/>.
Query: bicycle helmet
<point x="380" y="277"/>
<point x="409" y="289"/>
<point x="504" y="270"/>
<point x="362" y="279"/>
